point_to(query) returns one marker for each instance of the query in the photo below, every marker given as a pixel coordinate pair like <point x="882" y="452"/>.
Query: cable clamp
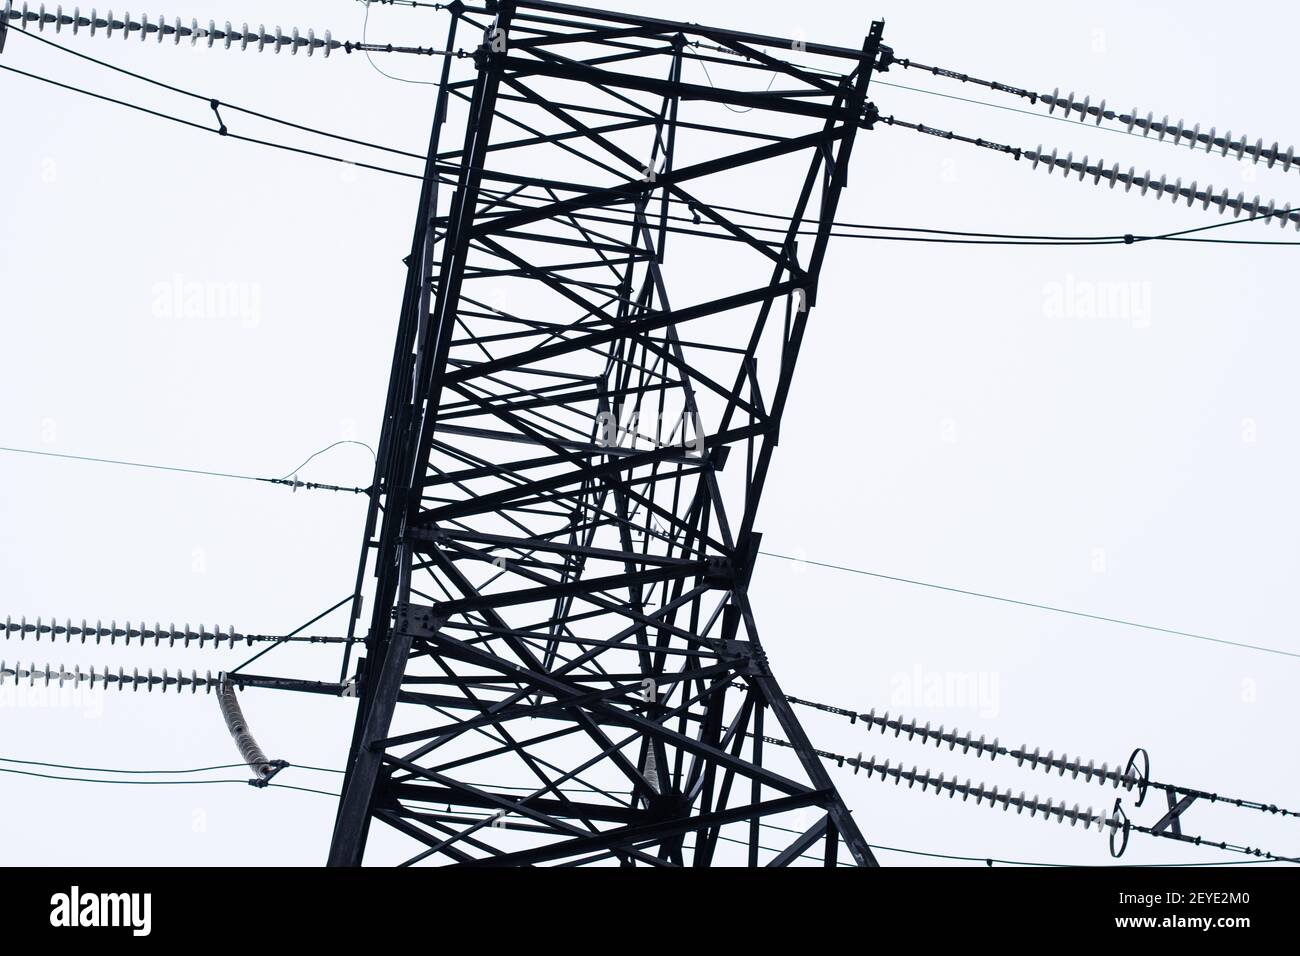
<point x="276" y="766"/>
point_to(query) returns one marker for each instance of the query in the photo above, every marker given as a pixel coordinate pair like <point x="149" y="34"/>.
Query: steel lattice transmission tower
<point x="592" y="362"/>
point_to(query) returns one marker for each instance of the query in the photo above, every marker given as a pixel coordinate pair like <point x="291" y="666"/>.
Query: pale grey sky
<point x="963" y="415"/>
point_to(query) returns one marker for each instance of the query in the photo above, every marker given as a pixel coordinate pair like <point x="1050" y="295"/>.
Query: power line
<point x="233" y="672"/>
<point x="328" y="793"/>
<point x="165" y="783"/>
<point x="344" y="441"/>
<point x="67" y="766"/>
<point x="957" y="237"/>
<point x="136" y="783"/>
<point x="287" y="481"/>
<point x="365" y="26"/>
<point x="219" y="103"/>
<point x="208" y="129"/>
<point x="1041" y="607"/>
<point x="989" y="860"/>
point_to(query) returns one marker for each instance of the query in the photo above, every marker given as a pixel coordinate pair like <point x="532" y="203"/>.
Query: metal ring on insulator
<point x="1119" y="827"/>
<point x="1138" y="773"/>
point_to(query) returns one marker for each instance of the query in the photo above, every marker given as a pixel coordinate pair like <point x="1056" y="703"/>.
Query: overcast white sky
<point x="962" y="415"/>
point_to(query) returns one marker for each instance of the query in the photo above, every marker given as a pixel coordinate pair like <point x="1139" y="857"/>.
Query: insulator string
<point x="1179" y="133"/>
<point x="1097" y="172"/>
<point x="141" y="634"/>
<point x="1116" y="823"/>
<point x="225" y="35"/>
<point x="1135" y="771"/>
<point x="1176" y="191"/>
<point x="233" y="714"/>
<point x="122" y="679"/>
<point x="954" y="738"/>
<point x="953" y="787"/>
